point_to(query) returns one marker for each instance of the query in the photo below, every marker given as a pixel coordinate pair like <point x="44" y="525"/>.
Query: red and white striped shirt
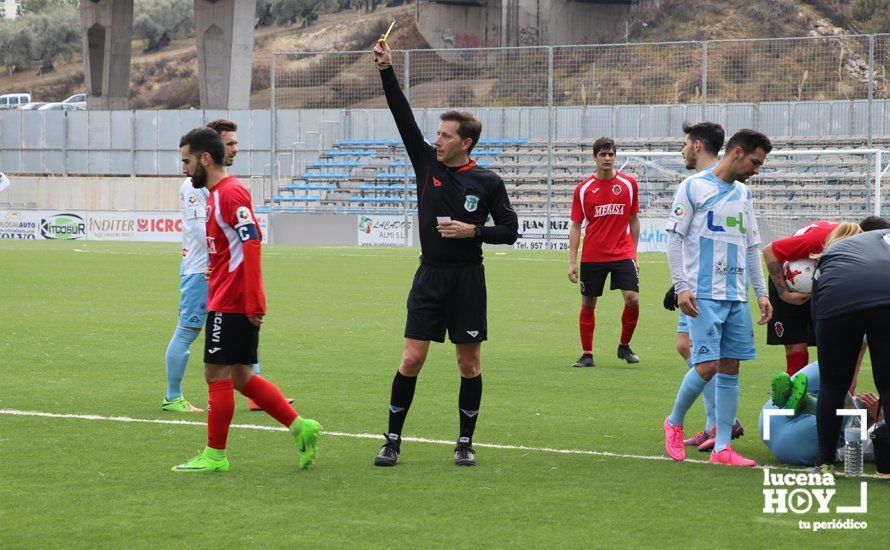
<point x="606" y="206"/>
<point x="233" y="243"/>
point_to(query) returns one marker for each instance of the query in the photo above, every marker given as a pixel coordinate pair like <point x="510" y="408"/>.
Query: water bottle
<point x="853" y="451"/>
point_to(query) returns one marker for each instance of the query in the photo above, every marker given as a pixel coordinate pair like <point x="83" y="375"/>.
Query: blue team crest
<point x="472" y="203"/>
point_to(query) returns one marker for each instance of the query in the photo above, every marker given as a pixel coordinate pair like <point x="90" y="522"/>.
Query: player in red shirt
<point x="608" y="203"/>
<point x="791" y="324"/>
<point x="236" y="304"/>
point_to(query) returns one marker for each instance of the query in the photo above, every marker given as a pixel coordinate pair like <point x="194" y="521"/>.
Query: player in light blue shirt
<point x="713" y="252"/>
<point x="700" y="148"/>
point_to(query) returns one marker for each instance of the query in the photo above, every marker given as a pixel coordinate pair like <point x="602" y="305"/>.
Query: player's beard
<point x="199" y="178"/>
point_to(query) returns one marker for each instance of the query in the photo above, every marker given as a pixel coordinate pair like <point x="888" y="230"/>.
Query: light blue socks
<point x="690" y="388"/>
<point x="177" y="359"/>
<point x="727" y="405"/>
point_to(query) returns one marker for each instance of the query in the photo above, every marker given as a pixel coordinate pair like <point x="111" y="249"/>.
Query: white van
<point x="14" y="101"/>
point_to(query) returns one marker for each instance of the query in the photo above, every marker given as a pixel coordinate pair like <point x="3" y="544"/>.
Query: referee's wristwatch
<point x="477" y="232"/>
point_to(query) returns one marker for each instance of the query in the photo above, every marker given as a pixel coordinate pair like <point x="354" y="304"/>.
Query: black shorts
<point x="790" y="324"/>
<point x="624" y="277"/>
<point x="230" y="339"/>
<point x="451" y="298"/>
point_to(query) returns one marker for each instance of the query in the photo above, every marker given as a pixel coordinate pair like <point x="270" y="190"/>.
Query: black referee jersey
<point x="467" y="193"/>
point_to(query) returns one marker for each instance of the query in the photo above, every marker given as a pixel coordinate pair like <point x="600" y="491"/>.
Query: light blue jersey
<point x="717" y="223"/>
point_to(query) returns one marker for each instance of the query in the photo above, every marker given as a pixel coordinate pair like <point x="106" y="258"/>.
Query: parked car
<point x="14" y="101"/>
<point x="33" y="106"/>
<point x="62" y="107"/>
<point x="77" y="99"/>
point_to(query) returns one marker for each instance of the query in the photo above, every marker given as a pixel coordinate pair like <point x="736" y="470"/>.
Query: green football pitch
<point x="567" y="457"/>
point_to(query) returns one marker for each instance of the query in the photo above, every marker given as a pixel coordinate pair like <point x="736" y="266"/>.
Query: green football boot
<point x="781" y="384"/>
<point x="180" y="405"/>
<point x="204" y="463"/>
<point x="305" y="432"/>
<point x="797" y="393"/>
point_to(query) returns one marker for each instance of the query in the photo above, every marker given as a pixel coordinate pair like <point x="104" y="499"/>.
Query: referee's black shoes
<point x="389" y="453"/>
<point x="624" y="352"/>
<point x="464" y="455"/>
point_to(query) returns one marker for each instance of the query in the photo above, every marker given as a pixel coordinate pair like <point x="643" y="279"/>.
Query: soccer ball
<point x="799" y="275"/>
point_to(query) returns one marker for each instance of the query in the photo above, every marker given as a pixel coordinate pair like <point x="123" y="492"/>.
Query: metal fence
<point x="799" y="89"/>
<point x="719" y="71"/>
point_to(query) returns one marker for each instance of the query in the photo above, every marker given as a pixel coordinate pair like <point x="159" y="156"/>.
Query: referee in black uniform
<point x="851" y="300"/>
<point x="454" y="199"/>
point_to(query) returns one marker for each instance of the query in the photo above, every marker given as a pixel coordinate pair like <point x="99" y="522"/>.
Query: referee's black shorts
<point x="790" y="324"/>
<point x="451" y="298"/>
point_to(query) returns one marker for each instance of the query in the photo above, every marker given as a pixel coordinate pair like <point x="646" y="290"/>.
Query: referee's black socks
<point x="399" y="402"/>
<point x="468" y="402"/>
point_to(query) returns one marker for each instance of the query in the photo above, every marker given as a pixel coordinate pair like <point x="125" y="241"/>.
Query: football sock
<point x="727" y="404"/>
<point x="400" y="401"/>
<point x="629" y="323"/>
<point x="587" y="322"/>
<point x="256" y="368"/>
<point x="796" y="360"/>
<point x="220" y="410"/>
<point x="707" y="396"/>
<point x="177" y="359"/>
<point x="690" y="388"/>
<point x="468" y="402"/>
<point x="269" y="397"/>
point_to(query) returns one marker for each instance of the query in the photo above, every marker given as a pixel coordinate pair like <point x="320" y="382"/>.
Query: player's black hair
<point x="749" y="141"/>
<point x="710" y="134"/>
<point x="873" y="223"/>
<point x="205" y="140"/>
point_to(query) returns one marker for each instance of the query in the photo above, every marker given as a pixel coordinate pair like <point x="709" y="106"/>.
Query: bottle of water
<point x="853" y="451"/>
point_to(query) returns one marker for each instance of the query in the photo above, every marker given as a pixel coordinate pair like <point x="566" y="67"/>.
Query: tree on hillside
<point x="41" y="6"/>
<point x="159" y="22"/>
<point x="15" y="46"/>
<point x="54" y="34"/>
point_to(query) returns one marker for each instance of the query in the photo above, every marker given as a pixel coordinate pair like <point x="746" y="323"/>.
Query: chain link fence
<point x="541" y="106"/>
<point x="720" y="71"/>
<point x="881" y="71"/>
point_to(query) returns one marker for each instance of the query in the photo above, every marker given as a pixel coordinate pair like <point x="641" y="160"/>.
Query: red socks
<point x="629" y="323"/>
<point x="587" y="322"/>
<point x="269" y="397"/>
<point x="220" y="409"/>
<point x="796" y="361"/>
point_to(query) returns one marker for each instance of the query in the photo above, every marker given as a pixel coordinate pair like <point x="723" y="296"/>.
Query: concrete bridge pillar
<point x="107" y="32"/>
<point x="224" y="32"/>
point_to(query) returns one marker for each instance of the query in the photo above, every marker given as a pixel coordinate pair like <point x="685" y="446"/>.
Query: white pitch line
<point x="583" y="452"/>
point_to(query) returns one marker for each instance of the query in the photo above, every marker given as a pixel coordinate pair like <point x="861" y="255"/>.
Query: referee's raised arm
<point x="412" y="137"/>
